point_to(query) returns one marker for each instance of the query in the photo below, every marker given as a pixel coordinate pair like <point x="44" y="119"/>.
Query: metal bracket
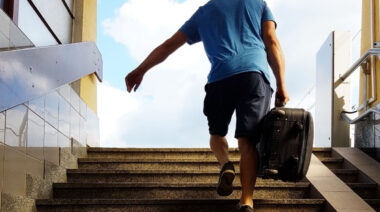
<point x="376" y="45"/>
<point x="364" y="66"/>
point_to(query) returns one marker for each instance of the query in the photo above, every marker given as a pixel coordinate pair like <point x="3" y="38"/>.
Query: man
<point x="239" y="38"/>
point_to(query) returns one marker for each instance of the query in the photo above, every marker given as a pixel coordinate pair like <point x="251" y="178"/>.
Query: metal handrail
<point x="362" y="60"/>
<point x="359" y="118"/>
<point x="359" y="62"/>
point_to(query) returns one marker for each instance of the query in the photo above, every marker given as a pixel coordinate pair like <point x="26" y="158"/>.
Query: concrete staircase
<point x="356" y="180"/>
<point x="114" y="179"/>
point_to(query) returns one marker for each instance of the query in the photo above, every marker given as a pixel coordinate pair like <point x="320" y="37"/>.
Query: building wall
<point x="367" y="132"/>
<point x="43" y="137"/>
<point x="84" y="29"/>
<point x="366" y="44"/>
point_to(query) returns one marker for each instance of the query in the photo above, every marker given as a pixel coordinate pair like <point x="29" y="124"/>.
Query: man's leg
<point x="219" y="147"/>
<point x="248" y="169"/>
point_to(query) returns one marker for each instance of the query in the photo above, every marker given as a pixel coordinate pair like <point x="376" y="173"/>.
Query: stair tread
<point x="173" y="185"/>
<point x="155" y="150"/>
<point x="160" y="160"/>
<point x="173" y="201"/>
<point x="321" y="149"/>
<point x="128" y="171"/>
<point x="345" y="171"/>
<point x="362" y="185"/>
<point x="331" y="159"/>
<point x="373" y="201"/>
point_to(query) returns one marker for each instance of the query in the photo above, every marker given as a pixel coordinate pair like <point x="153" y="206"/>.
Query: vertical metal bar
<point x="365" y="91"/>
<point x="372" y="58"/>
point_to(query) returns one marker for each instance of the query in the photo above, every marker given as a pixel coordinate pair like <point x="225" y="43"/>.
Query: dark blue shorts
<point x="248" y="93"/>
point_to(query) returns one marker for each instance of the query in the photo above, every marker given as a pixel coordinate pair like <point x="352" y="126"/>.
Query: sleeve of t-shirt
<point x="267" y="14"/>
<point x="190" y="28"/>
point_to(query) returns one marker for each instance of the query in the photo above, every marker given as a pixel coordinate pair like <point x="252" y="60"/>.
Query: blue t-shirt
<point x="231" y="35"/>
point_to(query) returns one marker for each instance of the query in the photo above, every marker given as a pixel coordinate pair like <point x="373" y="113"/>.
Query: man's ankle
<point x="246" y="202"/>
<point x="228" y="165"/>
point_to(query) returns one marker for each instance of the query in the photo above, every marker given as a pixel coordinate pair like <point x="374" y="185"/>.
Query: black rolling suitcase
<point x="286" y="144"/>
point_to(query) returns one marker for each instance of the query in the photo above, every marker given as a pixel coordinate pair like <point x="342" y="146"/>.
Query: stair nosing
<point x="173" y="201"/>
<point x="172" y="185"/>
<point x="159" y="160"/>
<point x="132" y="171"/>
<point x="322" y="149"/>
<point x="331" y="159"/>
<point x="155" y="150"/>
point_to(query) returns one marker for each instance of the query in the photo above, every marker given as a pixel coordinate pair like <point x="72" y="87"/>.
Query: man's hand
<point x="281" y="97"/>
<point x="134" y="79"/>
<point x="159" y="54"/>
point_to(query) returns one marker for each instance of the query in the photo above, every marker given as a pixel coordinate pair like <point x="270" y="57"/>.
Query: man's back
<point x="231" y="34"/>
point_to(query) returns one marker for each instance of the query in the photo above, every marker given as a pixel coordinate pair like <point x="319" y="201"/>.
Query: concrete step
<point x="128" y="176"/>
<point x="151" y="164"/>
<point x="148" y="176"/>
<point x="374" y="203"/>
<point x="156" y="153"/>
<point x="364" y="190"/>
<point x="173" y="191"/>
<point x="322" y="152"/>
<point x="347" y="175"/>
<point x="332" y="162"/>
<point x="203" y="205"/>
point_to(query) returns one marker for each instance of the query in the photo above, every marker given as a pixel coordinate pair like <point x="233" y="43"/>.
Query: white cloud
<point x="171" y="95"/>
<point x="167" y="109"/>
<point x="303" y="26"/>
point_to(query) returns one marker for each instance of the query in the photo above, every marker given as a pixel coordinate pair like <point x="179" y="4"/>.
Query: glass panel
<point x="83" y="109"/>
<point x="32" y="26"/>
<point x="5" y="22"/>
<point x="92" y="126"/>
<point x="10" y="35"/>
<point x="18" y="38"/>
<point x="64" y="116"/>
<point x="51" y="150"/>
<point x="75" y="100"/>
<point x="57" y="17"/>
<point x="4" y="41"/>
<point x="63" y="141"/>
<point x="51" y="109"/>
<point x="82" y="132"/>
<point x="70" y="4"/>
<point x="74" y="124"/>
<point x="16" y="127"/>
<point x="38" y="106"/>
<point x="36" y="128"/>
<point x="2" y="127"/>
<point x="65" y="92"/>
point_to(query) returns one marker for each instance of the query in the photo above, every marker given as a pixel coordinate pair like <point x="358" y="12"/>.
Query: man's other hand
<point x="281" y="97"/>
<point x="133" y="79"/>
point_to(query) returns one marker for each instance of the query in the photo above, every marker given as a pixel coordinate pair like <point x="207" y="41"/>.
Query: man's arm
<point x="276" y="61"/>
<point x="159" y="54"/>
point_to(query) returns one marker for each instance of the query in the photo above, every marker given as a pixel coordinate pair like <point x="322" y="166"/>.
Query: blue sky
<point x="116" y="59"/>
<point x="167" y="109"/>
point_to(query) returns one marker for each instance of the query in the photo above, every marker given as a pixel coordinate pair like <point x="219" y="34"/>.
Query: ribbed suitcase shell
<point x="286" y="144"/>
